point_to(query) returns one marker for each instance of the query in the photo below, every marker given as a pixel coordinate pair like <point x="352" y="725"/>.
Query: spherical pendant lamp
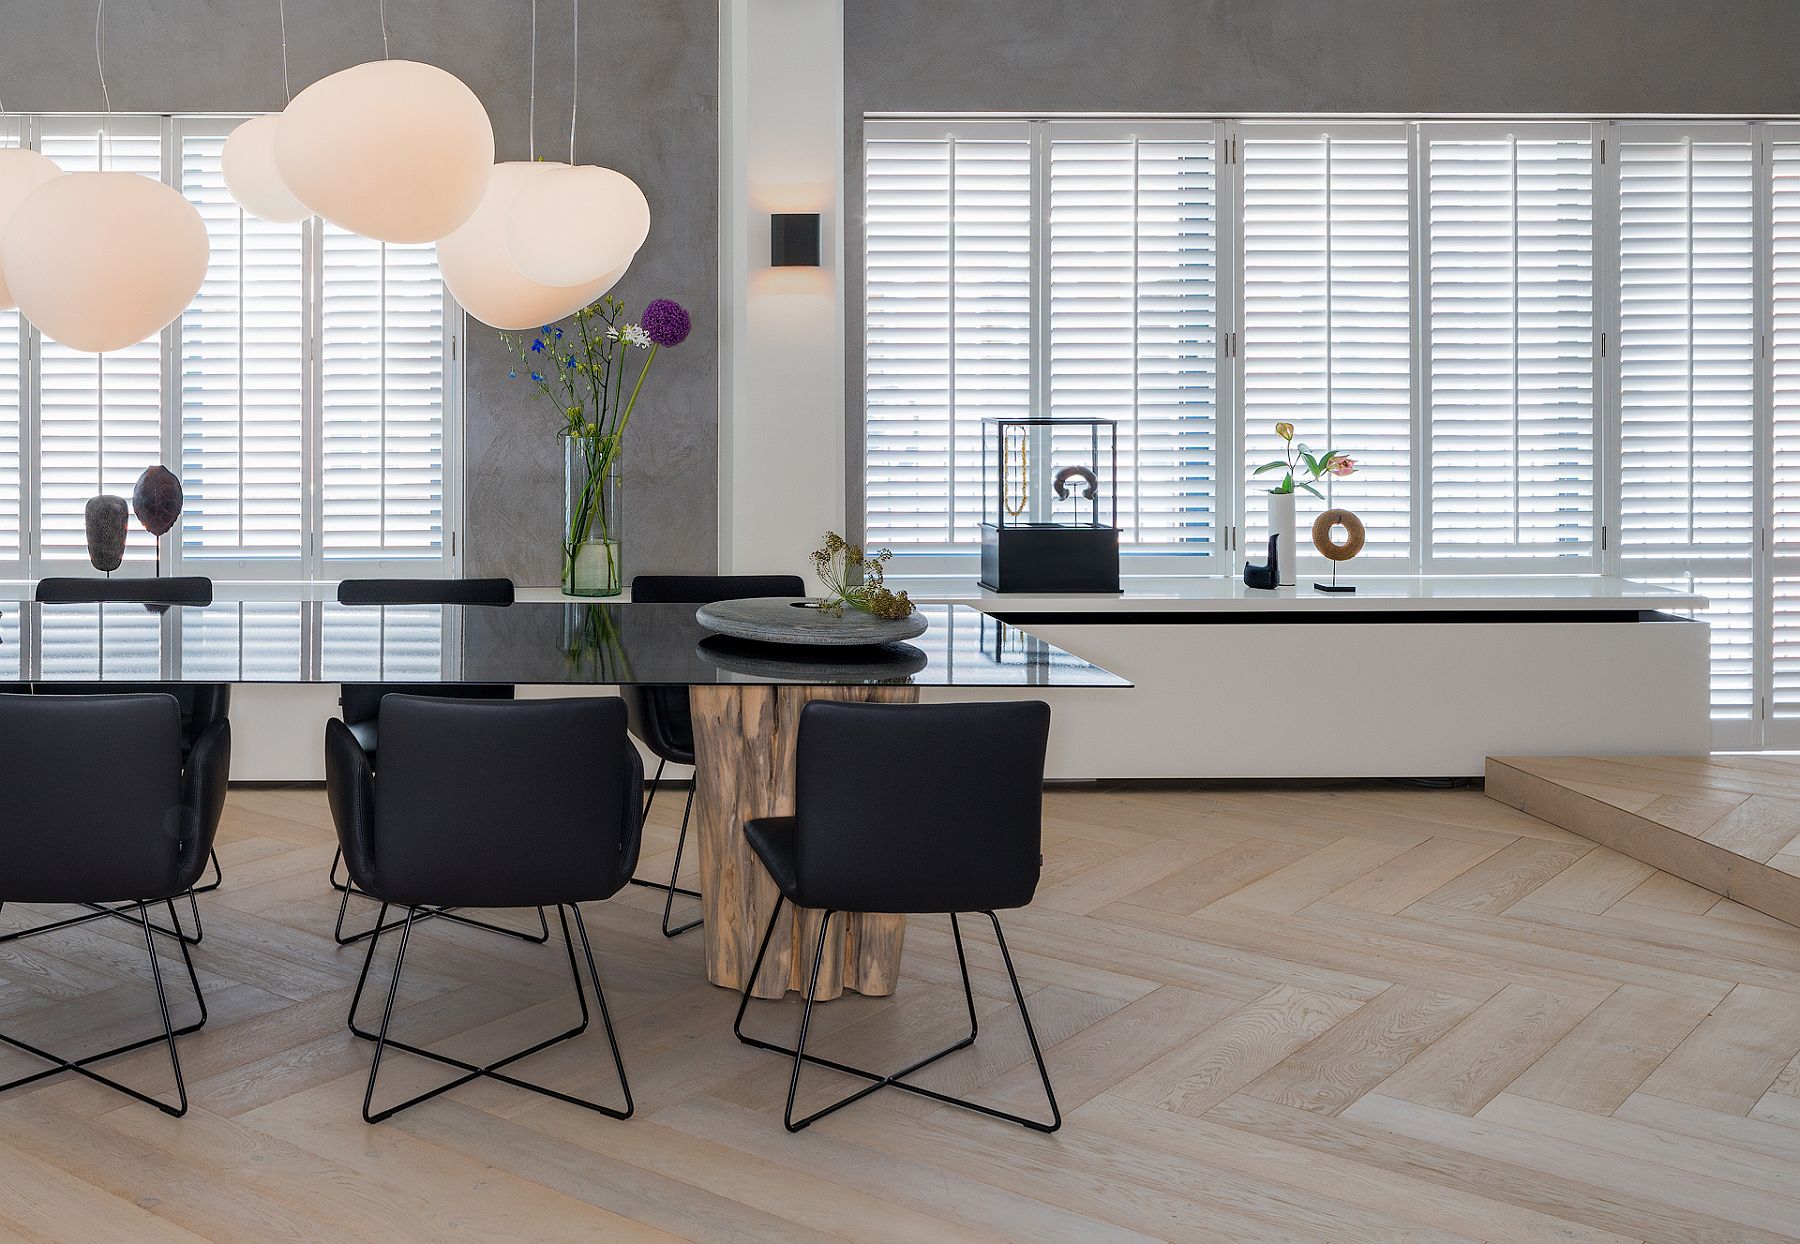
<point x="394" y="150"/>
<point x="21" y="172"/>
<point x="482" y="277"/>
<point x="248" y="163"/>
<point x="573" y="224"/>
<point x="100" y="261"/>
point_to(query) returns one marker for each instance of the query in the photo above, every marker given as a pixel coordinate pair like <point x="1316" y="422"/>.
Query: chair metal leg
<point x="383" y="1040"/>
<point x="99" y="911"/>
<point x="207" y="887"/>
<point x="81" y="1066"/>
<point x="896" y="1079"/>
<point x="672" y="887"/>
<point x="426" y="913"/>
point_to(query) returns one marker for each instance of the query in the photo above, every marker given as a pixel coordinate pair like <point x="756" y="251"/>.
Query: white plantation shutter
<point x="383" y="365"/>
<point x="1687" y="362"/>
<point x="1133" y="322"/>
<point x="246" y="641"/>
<point x="100" y="416"/>
<point x="117" y="641"/>
<point x="242" y="373"/>
<point x="1784" y="402"/>
<point x="1510" y="344"/>
<point x="1327" y="319"/>
<point x="948" y="315"/>
<point x="12" y="465"/>
<point x="391" y="644"/>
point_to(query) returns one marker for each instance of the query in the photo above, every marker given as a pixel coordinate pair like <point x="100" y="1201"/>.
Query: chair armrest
<point x="203" y="785"/>
<point x="350" y="788"/>
<point x="631" y="834"/>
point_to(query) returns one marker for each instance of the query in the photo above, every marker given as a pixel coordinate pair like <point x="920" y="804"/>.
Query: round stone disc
<point x="796" y="620"/>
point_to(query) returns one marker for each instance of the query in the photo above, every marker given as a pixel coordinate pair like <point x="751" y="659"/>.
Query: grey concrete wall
<point x="649" y="108"/>
<point x="1232" y="57"/>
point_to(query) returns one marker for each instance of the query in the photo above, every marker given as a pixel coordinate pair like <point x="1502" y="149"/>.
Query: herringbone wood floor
<point x="1362" y="1013"/>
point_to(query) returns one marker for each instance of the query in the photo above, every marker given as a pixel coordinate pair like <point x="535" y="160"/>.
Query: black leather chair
<point x="956" y="826"/>
<point x="660" y="716"/>
<point x="479" y="804"/>
<point x="360" y="703"/>
<point x="100" y="809"/>
<point x="201" y="704"/>
<point x="187" y="590"/>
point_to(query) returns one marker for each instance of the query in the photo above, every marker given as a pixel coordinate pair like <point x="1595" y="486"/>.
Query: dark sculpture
<point x="157" y="500"/>
<point x="106" y="515"/>
<point x="1088" y="493"/>
<point x="1265" y="576"/>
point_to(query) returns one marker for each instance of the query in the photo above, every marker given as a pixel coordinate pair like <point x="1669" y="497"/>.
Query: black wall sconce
<point x="794" y="240"/>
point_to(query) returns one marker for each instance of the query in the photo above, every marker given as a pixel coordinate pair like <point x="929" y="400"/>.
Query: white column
<point x="781" y="373"/>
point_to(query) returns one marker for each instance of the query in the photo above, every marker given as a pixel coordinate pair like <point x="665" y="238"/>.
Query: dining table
<point x="745" y="699"/>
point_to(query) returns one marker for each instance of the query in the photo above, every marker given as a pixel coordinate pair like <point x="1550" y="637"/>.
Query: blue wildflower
<point x="537" y="377"/>
<point x="512" y="375"/>
<point x="537" y="345"/>
<point x="571" y="360"/>
<point x="559" y="334"/>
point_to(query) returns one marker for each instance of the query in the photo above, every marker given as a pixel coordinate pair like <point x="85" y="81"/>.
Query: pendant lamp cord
<point x="281" y="9"/>
<point x="384" y="32"/>
<point x="531" y="139"/>
<point x="574" y="74"/>
<point x="100" y="65"/>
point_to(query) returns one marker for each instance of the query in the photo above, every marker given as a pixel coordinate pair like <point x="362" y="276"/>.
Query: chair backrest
<point x="184" y="590"/>
<point x="485" y="803"/>
<point x="920" y="807"/>
<point x="425" y="592"/>
<point x="361" y="701"/>
<point x="659" y="715"/>
<point x="202" y="703"/>
<point x="93" y="790"/>
<point x="704" y="589"/>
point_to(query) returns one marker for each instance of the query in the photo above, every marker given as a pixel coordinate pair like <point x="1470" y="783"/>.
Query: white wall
<point x="781" y="379"/>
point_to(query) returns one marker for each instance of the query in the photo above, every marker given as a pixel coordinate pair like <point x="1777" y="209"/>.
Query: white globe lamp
<point x="248" y="162"/>
<point x="394" y="150"/>
<point x="481" y="276"/>
<point x="100" y="261"/>
<point x="21" y="172"/>
<point x="573" y="224"/>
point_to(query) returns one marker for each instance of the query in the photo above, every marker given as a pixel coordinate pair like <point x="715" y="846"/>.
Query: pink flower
<point x="1342" y="466"/>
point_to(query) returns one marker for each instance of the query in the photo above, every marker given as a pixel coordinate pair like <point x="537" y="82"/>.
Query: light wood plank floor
<point x="1358" y="1013"/>
<point x="1728" y="823"/>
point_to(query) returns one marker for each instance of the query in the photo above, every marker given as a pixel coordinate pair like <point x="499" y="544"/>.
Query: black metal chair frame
<point x="472" y="1071"/>
<point x="347" y="888"/>
<point x="97" y="911"/>
<point x="896" y="1079"/>
<point x="672" y="887"/>
<point x="83" y="1066"/>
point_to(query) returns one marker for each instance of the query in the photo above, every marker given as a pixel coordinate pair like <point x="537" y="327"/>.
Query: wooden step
<point x="1728" y="823"/>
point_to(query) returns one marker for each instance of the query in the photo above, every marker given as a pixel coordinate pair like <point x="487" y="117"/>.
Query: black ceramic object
<point x="157" y="500"/>
<point x="106" y="515"/>
<point x="1265" y="576"/>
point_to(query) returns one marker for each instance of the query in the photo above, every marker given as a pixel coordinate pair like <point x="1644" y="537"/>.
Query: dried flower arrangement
<point x="853" y="577"/>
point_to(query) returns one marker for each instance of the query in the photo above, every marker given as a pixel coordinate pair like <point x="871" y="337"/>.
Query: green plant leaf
<point x="1269" y="466"/>
<point x="1314" y="491"/>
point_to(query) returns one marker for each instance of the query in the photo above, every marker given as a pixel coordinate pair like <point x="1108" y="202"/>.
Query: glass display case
<point x="1049" y="505"/>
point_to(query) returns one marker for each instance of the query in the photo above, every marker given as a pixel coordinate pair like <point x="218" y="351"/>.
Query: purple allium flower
<point x="666" y="323"/>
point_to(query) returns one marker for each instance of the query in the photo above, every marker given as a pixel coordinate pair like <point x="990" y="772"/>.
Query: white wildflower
<point x="635" y="335"/>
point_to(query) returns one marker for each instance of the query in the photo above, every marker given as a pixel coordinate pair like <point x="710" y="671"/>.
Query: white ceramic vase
<point x="1281" y="523"/>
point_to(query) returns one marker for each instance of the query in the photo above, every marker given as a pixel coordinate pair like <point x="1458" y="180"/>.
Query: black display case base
<point x="1049" y="558"/>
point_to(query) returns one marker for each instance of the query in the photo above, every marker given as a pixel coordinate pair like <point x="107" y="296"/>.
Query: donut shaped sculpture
<point x="1352" y="543"/>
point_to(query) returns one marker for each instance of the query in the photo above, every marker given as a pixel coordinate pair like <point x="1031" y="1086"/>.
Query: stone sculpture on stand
<point x="157" y="503"/>
<point x="105" y="521"/>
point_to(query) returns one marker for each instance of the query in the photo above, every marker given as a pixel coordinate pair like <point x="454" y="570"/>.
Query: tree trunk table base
<point x="744" y="767"/>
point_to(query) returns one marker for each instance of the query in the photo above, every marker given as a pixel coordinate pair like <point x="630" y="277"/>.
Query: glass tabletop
<point x="530" y="643"/>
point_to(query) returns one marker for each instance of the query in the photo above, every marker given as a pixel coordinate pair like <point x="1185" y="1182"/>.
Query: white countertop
<point x="1374" y="593"/>
<point x="1182" y="594"/>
